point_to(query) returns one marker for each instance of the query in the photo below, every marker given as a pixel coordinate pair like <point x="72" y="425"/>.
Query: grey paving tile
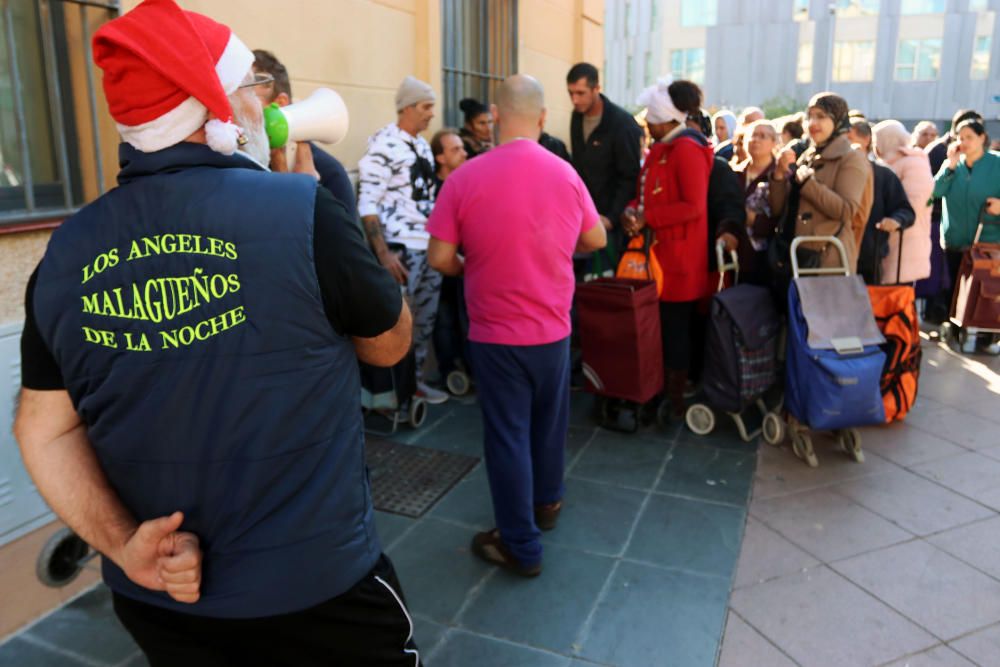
<point x="138" y="660"/>
<point x="469" y="502"/>
<point x="19" y="652"/>
<point x="390" y="526"/>
<point x="780" y="473"/>
<point x="766" y="555"/>
<point x="617" y="458"/>
<point x="906" y="445"/>
<point x="977" y="544"/>
<point x="576" y="438"/>
<point x="972" y="475"/>
<point x="939" y="656"/>
<point x="993" y="453"/>
<point x="689" y="534"/>
<point x="985" y="408"/>
<point x="929" y="586"/>
<point x="827" y="525"/>
<point x="436" y="568"/>
<point x="651" y="616"/>
<point x="959" y="427"/>
<point x="913" y="503"/>
<point x="596" y="517"/>
<point x="427" y="634"/>
<point x="745" y="647"/>
<point x="462" y="649"/>
<point x="87" y="626"/>
<point x="707" y="472"/>
<point x="821" y="619"/>
<point x="547" y="612"/>
<point x="982" y="647"/>
<point x="724" y="436"/>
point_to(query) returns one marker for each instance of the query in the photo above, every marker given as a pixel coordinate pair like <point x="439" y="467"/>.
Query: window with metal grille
<point x="479" y="50"/>
<point x="50" y="123"/>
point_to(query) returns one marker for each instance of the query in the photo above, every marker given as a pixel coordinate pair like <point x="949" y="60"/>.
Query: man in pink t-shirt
<point x="518" y="213"/>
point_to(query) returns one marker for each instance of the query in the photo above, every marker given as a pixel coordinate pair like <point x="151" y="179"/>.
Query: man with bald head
<point x="519" y="213"/>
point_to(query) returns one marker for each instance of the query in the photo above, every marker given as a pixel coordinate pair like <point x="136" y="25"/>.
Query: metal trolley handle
<point x="724" y="268"/>
<point x="843" y="270"/>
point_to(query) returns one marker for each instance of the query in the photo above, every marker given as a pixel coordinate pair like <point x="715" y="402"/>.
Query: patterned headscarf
<point x="836" y="108"/>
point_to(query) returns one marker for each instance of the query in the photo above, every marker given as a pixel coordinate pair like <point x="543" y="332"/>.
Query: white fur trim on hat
<point x="189" y="116"/>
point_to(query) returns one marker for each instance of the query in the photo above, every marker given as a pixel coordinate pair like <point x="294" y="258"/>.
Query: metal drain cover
<point x="408" y="480"/>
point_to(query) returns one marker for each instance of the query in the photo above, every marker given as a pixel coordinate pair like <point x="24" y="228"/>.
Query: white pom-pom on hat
<point x="222" y="137"/>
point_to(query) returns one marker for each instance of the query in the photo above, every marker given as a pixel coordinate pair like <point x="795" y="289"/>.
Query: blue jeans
<point x="524" y="396"/>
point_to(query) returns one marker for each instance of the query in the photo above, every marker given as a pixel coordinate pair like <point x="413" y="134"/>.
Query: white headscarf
<point x="659" y="107"/>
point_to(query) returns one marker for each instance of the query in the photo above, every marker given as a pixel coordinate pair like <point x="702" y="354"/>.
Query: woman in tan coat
<point x="832" y="181"/>
<point x="913" y="168"/>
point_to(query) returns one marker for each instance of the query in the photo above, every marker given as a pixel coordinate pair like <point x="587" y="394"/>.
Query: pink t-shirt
<point x="517" y="211"/>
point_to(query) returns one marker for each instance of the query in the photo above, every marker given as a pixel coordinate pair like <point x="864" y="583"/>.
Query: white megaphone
<point x="320" y="117"/>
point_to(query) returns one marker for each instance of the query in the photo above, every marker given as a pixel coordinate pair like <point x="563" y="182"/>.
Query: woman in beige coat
<point x="834" y="183"/>
<point x="913" y="168"/>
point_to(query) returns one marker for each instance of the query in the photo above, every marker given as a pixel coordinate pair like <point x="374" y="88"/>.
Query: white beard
<point x="257" y="146"/>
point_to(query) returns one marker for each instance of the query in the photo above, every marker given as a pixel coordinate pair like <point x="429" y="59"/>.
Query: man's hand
<point x="608" y="226"/>
<point x="394" y="265"/>
<point x="303" y="160"/>
<point x="993" y="205"/>
<point x="888" y="225"/>
<point x="159" y="557"/>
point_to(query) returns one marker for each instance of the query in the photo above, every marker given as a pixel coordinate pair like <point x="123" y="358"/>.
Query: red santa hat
<point x="167" y="69"/>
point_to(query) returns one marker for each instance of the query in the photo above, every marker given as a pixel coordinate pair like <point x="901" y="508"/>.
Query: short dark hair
<point x="794" y="128"/>
<point x="686" y="96"/>
<point x="472" y="108"/>
<point x="583" y="71"/>
<point x="436" y="147"/>
<point x="267" y="63"/>
<point x="976" y="125"/>
<point x="963" y="115"/>
<point x="861" y="126"/>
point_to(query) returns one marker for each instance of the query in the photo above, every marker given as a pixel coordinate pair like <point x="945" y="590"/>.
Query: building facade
<point x="905" y="59"/>
<point x="58" y="146"/>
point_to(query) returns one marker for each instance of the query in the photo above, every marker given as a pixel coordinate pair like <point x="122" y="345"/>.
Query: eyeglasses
<point x="258" y="80"/>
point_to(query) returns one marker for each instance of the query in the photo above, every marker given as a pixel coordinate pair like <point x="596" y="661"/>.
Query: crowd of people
<point x="223" y="476"/>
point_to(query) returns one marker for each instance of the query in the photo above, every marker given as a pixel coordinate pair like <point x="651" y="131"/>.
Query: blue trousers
<point x="524" y="395"/>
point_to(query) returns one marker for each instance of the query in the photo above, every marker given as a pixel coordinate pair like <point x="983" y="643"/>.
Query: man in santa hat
<point x="190" y="402"/>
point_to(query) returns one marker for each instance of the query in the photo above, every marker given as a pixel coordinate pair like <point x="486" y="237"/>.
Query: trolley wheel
<point x="458" y="383"/>
<point x="773" y="429"/>
<point x="418" y="412"/>
<point x="850" y="440"/>
<point x="59" y="562"/>
<point x="962" y="337"/>
<point x="700" y="419"/>
<point x="803" y="447"/>
<point x="946" y="332"/>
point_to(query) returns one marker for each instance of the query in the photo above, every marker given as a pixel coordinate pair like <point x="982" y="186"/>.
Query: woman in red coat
<point x="673" y="201"/>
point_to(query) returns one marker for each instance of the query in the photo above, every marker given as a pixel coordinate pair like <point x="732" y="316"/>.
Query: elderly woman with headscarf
<point x="673" y="201"/>
<point x="913" y="168"/>
<point x="924" y="134"/>
<point x="724" y="126"/>
<point x="826" y="189"/>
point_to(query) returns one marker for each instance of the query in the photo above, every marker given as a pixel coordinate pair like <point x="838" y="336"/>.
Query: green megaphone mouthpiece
<point x="276" y="125"/>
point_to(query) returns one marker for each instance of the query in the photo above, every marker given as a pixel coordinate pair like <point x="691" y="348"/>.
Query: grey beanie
<point x="413" y="91"/>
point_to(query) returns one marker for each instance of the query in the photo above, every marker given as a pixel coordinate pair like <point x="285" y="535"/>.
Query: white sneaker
<point x="430" y="394"/>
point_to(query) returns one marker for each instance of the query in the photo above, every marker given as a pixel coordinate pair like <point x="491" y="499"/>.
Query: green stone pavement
<point x="637" y="573"/>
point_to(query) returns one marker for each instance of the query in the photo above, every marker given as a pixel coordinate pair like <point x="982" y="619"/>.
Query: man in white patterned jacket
<point x="396" y="197"/>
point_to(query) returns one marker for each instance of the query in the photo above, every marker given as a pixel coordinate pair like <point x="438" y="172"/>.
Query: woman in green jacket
<point x="969" y="180"/>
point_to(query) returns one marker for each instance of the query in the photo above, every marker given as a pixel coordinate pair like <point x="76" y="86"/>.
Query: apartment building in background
<point x="904" y="59"/>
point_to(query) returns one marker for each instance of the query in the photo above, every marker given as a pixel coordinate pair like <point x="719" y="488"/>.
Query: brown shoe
<point x="491" y="549"/>
<point x="546" y="516"/>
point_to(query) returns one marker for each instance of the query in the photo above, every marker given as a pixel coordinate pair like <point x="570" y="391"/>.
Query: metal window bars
<point x="55" y="86"/>
<point x="479" y="50"/>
